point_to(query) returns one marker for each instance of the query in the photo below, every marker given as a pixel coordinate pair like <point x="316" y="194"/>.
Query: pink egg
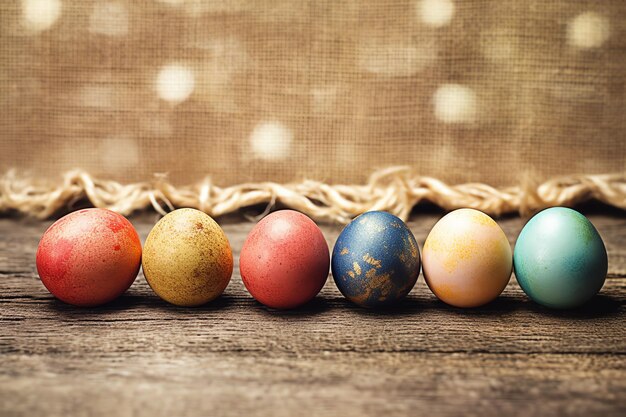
<point x="89" y="257"/>
<point x="467" y="260"/>
<point x="284" y="261"/>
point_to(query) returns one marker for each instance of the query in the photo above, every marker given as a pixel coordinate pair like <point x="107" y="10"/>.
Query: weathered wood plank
<point x="141" y="356"/>
<point x="35" y="323"/>
<point x="345" y="384"/>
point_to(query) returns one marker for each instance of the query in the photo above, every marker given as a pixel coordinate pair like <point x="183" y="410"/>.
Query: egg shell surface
<point x="560" y="260"/>
<point x="187" y="259"/>
<point x="285" y="259"/>
<point x="467" y="260"/>
<point x="376" y="260"/>
<point x="89" y="257"/>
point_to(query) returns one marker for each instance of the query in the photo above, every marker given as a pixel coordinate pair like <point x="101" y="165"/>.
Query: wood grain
<point x="141" y="356"/>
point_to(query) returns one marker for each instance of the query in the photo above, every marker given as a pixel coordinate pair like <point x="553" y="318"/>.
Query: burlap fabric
<point x="284" y="90"/>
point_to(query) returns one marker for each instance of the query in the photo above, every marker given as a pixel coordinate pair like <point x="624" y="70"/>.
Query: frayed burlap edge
<point x="396" y="190"/>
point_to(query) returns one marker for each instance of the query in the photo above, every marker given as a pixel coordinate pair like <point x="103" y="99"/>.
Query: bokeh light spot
<point x="435" y="13"/>
<point x="588" y="30"/>
<point x="271" y="141"/>
<point x="175" y="83"/>
<point x="40" y="15"/>
<point x="172" y="2"/>
<point x="455" y="103"/>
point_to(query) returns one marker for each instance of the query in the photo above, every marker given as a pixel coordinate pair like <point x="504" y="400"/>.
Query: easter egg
<point x="560" y="260"/>
<point x="89" y="257"/>
<point x="375" y="260"/>
<point x="187" y="259"/>
<point x="284" y="260"/>
<point x="467" y="259"/>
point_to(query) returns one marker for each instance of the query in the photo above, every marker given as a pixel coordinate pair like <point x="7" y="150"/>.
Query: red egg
<point x="89" y="257"/>
<point x="285" y="260"/>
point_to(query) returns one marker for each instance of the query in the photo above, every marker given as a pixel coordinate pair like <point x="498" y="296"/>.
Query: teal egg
<point x="559" y="259"/>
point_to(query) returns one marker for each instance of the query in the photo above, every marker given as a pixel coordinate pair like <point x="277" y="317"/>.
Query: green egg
<point x="560" y="260"/>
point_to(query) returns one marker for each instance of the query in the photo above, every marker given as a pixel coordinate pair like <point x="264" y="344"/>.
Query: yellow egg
<point x="467" y="260"/>
<point x="187" y="259"/>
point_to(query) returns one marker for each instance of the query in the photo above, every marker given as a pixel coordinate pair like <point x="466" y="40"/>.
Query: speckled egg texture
<point x="89" y="257"/>
<point x="285" y="259"/>
<point x="376" y="260"/>
<point x="467" y="260"/>
<point x="187" y="259"/>
<point x="560" y="259"/>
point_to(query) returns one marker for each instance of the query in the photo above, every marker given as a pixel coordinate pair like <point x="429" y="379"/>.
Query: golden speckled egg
<point x="467" y="260"/>
<point x="187" y="259"/>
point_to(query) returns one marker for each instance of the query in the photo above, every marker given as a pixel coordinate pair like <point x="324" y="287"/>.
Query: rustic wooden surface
<point x="139" y="356"/>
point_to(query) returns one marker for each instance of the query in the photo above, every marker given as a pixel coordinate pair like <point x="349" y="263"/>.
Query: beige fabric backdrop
<point x="254" y="90"/>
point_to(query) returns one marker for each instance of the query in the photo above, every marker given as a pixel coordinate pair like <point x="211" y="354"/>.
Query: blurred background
<point x="283" y="90"/>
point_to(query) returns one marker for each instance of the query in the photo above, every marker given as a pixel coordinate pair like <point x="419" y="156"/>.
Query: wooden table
<point x="142" y="357"/>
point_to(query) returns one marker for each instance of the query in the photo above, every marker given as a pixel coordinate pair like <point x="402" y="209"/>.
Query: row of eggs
<point x="92" y="256"/>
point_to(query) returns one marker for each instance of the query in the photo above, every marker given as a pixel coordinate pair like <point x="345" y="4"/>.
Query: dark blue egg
<point x="375" y="260"/>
